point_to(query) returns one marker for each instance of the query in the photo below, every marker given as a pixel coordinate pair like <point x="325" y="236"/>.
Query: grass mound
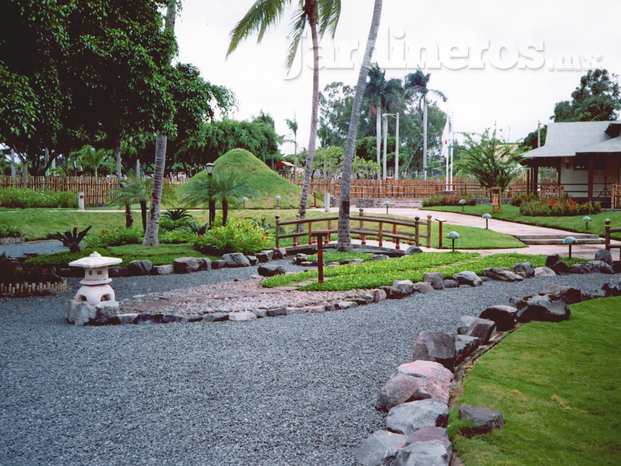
<point x="267" y="182"/>
<point x="558" y="387"/>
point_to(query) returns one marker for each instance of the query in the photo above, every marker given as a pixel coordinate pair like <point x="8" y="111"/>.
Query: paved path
<point x="586" y="251"/>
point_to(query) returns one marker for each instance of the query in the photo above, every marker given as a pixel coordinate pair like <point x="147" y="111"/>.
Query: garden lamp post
<point x="212" y="203"/>
<point x="453" y="235"/>
<point x="486" y="217"/>
<point x="278" y="198"/>
<point x="387" y="204"/>
<point x="244" y="199"/>
<point x="587" y="220"/>
<point x="462" y="203"/>
<point x="569" y="241"/>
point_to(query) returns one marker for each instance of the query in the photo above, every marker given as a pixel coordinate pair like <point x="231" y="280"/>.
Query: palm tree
<point x="135" y="189"/>
<point x="92" y="158"/>
<point x="152" y="229"/>
<point x="344" y="237"/>
<point x="381" y="94"/>
<point x="293" y="127"/>
<point x="416" y="85"/>
<point x="321" y="15"/>
<point x="227" y="187"/>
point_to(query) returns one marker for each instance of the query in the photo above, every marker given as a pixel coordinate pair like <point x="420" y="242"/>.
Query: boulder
<point x="142" y="267"/>
<point x="379" y="295"/>
<point x="503" y="316"/>
<point x="118" y="271"/>
<point x="299" y="259"/>
<point x="279" y="253"/>
<point x="556" y="263"/>
<point x="485" y="419"/>
<point x="219" y="264"/>
<point x="435" y="279"/>
<point x="417" y="380"/>
<point x="242" y="316"/>
<point x="148" y="319"/>
<point x="481" y="329"/>
<point x="464" y="345"/>
<point x="269" y="253"/>
<point x="413" y="250"/>
<point x="616" y="266"/>
<point x="566" y="293"/>
<point x="468" y="278"/>
<point x="544" y="272"/>
<point x="252" y="259"/>
<point x="379" y="257"/>
<point x="262" y="257"/>
<point x="451" y="284"/>
<point x="381" y="447"/>
<point x="235" y="260"/>
<point x="349" y="261"/>
<point x="82" y="313"/>
<point x="393" y="292"/>
<point x="583" y="268"/>
<point x="422" y="287"/>
<point x="593" y="294"/>
<point x="502" y="274"/>
<point x="429" y="434"/>
<point x="271" y="270"/>
<point x="126" y="319"/>
<point x="407" y="418"/>
<point x="191" y="264"/>
<point x="431" y="453"/>
<point x="406" y="286"/>
<point x="524" y="269"/>
<point x="612" y="289"/>
<point x="435" y="346"/>
<point x="601" y="267"/>
<point x="167" y="269"/>
<point x="543" y="308"/>
<point x="278" y="311"/>
<point x="604" y="255"/>
<point x="216" y="317"/>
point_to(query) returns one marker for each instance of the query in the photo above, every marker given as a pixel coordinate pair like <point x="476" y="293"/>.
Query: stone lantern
<point x="94" y="302"/>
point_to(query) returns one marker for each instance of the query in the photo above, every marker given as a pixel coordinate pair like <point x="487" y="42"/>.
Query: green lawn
<point x="512" y="214"/>
<point x="373" y="274"/>
<point x="558" y="387"/>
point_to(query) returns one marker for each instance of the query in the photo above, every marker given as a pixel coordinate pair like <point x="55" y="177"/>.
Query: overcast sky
<point x="497" y="61"/>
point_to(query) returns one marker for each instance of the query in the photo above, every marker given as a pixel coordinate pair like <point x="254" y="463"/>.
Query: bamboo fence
<point x="97" y="191"/>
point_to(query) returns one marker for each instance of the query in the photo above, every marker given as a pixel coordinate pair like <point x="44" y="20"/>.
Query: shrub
<point x="118" y="237"/>
<point x="175" y="237"/>
<point x="436" y="201"/>
<point x="556" y="207"/>
<point x="30" y="198"/>
<point x="11" y="271"/>
<point x="62" y="259"/>
<point x="235" y="237"/>
<point x="70" y="239"/>
<point x="520" y="198"/>
<point x="10" y="232"/>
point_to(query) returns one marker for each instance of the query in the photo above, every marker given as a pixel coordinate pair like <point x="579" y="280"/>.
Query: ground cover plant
<point x="557" y="207"/>
<point x="569" y="223"/>
<point x="242" y="236"/>
<point x="373" y="274"/>
<point x="448" y="201"/>
<point x="8" y="231"/>
<point x="558" y="387"/>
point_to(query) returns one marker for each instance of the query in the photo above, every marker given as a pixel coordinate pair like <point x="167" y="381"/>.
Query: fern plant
<point x="70" y="239"/>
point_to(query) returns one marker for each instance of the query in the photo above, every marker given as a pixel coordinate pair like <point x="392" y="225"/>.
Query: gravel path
<point x="295" y="390"/>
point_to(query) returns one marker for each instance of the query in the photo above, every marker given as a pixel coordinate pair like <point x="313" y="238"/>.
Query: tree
<point x="491" y="160"/>
<point x="320" y="15"/>
<point x="293" y="127"/>
<point x="136" y="189"/>
<point x="416" y="85"/>
<point x="597" y="98"/>
<point x="344" y="237"/>
<point x="382" y="95"/>
<point x="92" y="158"/>
<point x="152" y="229"/>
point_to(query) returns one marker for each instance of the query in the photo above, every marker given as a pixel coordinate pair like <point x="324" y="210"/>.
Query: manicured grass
<point x="558" y="387"/>
<point x="374" y="274"/>
<point x="512" y="214"/>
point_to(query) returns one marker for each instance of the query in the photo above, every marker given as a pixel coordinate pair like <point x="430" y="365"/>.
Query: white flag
<point x="447" y="136"/>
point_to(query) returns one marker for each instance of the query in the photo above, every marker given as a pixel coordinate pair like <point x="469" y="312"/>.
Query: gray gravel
<point x="295" y="390"/>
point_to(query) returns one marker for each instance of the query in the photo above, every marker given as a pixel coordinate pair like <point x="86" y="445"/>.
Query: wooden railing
<point x="411" y="234"/>
<point x="616" y="196"/>
<point x="609" y="232"/>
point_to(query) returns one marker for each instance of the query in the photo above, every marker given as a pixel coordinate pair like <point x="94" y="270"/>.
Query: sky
<point x="501" y="63"/>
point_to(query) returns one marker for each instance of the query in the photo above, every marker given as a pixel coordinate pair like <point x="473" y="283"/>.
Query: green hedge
<point x="25" y="198"/>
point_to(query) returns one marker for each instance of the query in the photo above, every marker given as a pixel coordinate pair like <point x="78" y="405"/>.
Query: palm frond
<point x="329" y="15"/>
<point x="298" y="25"/>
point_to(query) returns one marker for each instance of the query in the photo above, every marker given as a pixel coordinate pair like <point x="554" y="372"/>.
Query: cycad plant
<point x="70" y="239"/>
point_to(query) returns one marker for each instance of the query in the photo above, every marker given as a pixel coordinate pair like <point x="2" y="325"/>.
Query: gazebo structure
<point x="587" y="158"/>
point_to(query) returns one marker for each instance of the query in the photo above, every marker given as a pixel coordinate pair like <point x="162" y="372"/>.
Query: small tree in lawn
<point x="491" y="160"/>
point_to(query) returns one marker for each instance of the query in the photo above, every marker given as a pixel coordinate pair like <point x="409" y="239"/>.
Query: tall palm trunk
<point x="153" y="224"/>
<point x="119" y="145"/>
<point x="344" y="236"/>
<point x="312" y="20"/>
<point x="378" y="131"/>
<point x="424" y="137"/>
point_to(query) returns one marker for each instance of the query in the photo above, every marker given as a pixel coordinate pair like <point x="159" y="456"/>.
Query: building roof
<point x="583" y="137"/>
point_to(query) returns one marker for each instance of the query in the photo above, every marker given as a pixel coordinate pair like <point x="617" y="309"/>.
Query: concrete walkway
<point x="586" y="251"/>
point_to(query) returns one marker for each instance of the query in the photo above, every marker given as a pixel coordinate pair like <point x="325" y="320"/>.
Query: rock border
<point x="403" y="395"/>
